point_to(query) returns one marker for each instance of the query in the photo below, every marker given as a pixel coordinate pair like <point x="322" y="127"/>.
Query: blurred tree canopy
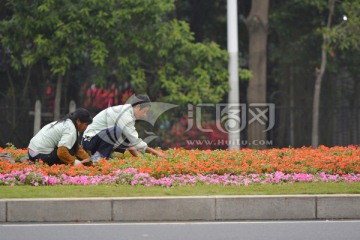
<point x="139" y="42"/>
<point x="346" y="35"/>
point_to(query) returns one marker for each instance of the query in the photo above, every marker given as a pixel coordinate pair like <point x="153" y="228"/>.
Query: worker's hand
<point x="87" y="161"/>
<point x="133" y="151"/>
<point x="77" y="162"/>
<point x="160" y="154"/>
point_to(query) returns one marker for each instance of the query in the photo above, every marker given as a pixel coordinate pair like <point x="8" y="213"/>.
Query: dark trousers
<point x="51" y="158"/>
<point x="104" y="142"/>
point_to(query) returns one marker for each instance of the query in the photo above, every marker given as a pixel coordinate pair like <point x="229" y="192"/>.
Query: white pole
<point x="72" y="106"/>
<point x="37" y="117"/>
<point x="232" y="41"/>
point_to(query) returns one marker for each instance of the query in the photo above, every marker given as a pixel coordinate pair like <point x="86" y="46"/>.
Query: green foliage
<point x="320" y="5"/>
<point x="244" y="74"/>
<point x="10" y="146"/>
<point x="138" y="40"/>
<point x="346" y="35"/>
<point x="345" y="30"/>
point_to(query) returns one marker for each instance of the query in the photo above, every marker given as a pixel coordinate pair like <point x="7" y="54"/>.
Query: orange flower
<point x="334" y="160"/>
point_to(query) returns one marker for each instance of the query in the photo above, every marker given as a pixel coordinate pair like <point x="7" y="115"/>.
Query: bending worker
<point x="113" y="129"/>
<point x="57" y="142"/>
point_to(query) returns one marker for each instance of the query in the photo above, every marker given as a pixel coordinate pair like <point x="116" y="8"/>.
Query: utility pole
<point x="233" y="99"/>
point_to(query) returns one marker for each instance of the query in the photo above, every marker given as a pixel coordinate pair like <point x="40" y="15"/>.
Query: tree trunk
<point x="319" y="77"/>
<point x="257" y="24"/>
<point x="26" y="86"/>
<point x="292" y="106"/>
<point x="57" y="103"/>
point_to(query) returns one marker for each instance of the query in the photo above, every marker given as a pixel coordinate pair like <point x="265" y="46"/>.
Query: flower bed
<point x="190" y="167"/>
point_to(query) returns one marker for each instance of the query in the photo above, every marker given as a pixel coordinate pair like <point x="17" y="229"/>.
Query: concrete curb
<point x="212" y="208"/>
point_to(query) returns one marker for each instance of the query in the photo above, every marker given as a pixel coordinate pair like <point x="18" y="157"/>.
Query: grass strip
<point x="72" y="191"/>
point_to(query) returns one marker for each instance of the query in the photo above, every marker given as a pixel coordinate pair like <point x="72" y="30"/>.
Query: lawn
<point x="71" y="191"/>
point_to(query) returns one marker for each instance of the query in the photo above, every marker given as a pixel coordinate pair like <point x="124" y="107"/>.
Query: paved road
<point x="272" y="230"/>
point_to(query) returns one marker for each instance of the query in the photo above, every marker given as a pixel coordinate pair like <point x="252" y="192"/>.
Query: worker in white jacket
<point x="57" y="142"/>
<point x="113" y="129"/>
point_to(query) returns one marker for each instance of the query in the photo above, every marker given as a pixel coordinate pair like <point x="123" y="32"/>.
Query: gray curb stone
<point x="58" y="210"/>
<point x="212" y="208"/>
<point x="164" y="209"/>
<point x="265" y="208"/>
<point x="338" y="207"/>
<point x="2" y="211"/>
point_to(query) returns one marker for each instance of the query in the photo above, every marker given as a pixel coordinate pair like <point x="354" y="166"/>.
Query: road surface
<point x="271" y="230"/>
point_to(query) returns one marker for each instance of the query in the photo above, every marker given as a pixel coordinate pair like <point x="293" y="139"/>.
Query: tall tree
<point x="257" y="24"/>
<point x="319" y="78"/>
<point x="344" y="35"/>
